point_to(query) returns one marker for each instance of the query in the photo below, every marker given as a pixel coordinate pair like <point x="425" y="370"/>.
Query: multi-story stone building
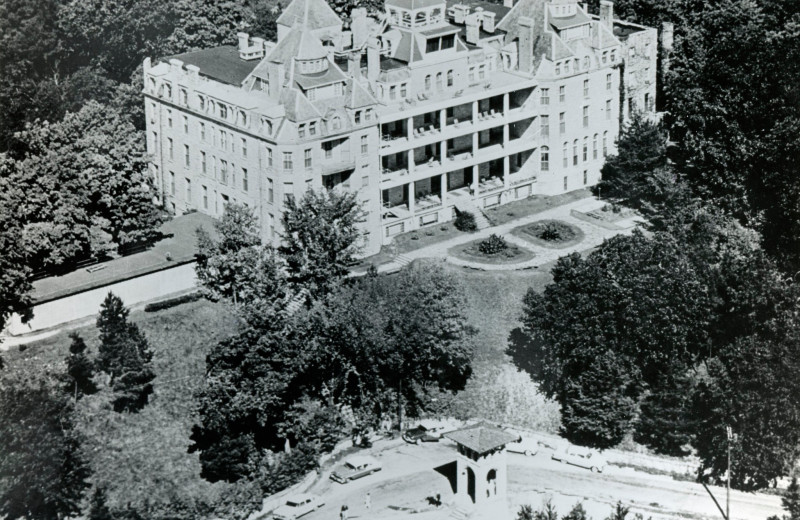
<point x="430" y="108"/>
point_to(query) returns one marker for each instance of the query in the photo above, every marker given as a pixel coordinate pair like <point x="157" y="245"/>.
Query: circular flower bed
<point x="492" y="250"/>
<point x="551" y="233"/>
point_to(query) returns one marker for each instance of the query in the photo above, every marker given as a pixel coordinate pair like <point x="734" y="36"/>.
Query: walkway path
<point x="594" y="235"/>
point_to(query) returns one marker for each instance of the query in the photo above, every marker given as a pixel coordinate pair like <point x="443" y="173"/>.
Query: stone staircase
<point x="480" y="217"/>
<point x="402" y="260"/>
<point x="460" y="512"/>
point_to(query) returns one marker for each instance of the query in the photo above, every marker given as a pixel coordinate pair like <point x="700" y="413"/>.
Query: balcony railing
<point x="490" y="184"/>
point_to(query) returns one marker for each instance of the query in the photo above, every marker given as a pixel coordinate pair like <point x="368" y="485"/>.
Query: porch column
<point x="411" y="186"/>
<point x="410" y="129"/>
<point x="506" y="104"/>
<point x="506" y="172"/>
<point x="476" y="176"/>
<point x="410" y="155"/>
<point x="442" y="119"/>
<point x="475" y="112"/>
<point x="506" y="135"/>
<point x="443" y="189"/>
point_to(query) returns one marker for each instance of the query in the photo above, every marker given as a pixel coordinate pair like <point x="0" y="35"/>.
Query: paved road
<point x="408" y="478"/>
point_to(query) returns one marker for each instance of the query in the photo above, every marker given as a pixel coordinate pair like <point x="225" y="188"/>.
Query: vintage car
<point x="425" y="432"/>
<point x="524" y="444"/>
<point x="581" y="457"/>
<point x="297" y="506"/>
<point x="355" y="467"/>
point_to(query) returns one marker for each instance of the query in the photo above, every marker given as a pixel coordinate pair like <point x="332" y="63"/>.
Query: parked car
<point x="423" y="433"/>
<point x="297" y="506"/>
<point x="523" y="444"/>
<point x="581" y="457"/>
<point x="355" y="467"/>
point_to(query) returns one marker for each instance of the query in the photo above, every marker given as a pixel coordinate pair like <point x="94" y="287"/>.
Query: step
<point x="403" y="260"/>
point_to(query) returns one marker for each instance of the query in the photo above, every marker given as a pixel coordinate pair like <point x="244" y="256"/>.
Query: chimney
<point x="488" y="21"/>
<point x="508" y="3"/>
<point x="525" y="44"/>
<point x="474" y="28"/>
<point x="276" y="75"/>
<point x="175" y="65"/>
<point x="373" y="58"/>
<point x="358" y="26"/>
<point x="354" y="65"/>
<point x="667" y="35"/>
<point x="244" y="39"/>
<point x="194" y="71"/>
<point x="607" y="14"/>
<point x="261" y="43"/>
<point x="460" y="12"/>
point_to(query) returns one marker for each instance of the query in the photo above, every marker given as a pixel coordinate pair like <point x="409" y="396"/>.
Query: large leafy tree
<point x="15" y="283"/>
<point x="234" y="264"/>
<point x="125" y="356"/>
<point x="42" y="474"/>
<point x="321" y="237"/>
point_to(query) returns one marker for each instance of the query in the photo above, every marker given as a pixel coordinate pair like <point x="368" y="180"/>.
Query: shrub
<point x="465" y="221"/>
<point x="492" y="245"/>
<point x="551" y="232"/>
<point x="173" y="302"/>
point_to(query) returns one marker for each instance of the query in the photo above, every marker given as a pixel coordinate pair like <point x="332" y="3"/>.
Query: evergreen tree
<point x="576" y="513"/>
<point x="791" y="500"/>
<point x="619" y="512"/>
<point x="125" y="355"/>
<point x="79" y="369"/>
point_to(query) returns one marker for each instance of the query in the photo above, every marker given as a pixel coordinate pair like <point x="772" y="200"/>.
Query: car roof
<point x="300" y="497"/>
<point x="360" y="460"/>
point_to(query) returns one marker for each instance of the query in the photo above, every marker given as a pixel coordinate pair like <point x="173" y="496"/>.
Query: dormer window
<point x="266" y="126"/>
<point x="336" y="123"/>
<point x="357" y="117"/>
<point x="242" y="118"/>
<point x="223" y="111"/>
<point x="152" y="84"/>
<point x="312" y="128"/>
<point x="212" y="106"/>
<point x="586" y="62"/>
<point x="368" y="115"/>
<point x="184" y="96"/>
<point x="558" y="68"/>
<point x="613" y="56"/>
<point x="202" y="101"/>
<point x="301" y="131"/>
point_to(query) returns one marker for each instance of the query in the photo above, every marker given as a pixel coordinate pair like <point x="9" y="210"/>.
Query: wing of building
<point x="427" y="108"/>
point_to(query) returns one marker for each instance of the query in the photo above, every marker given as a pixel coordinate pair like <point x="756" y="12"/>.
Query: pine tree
<point x="791" y="500"/>
<point x="125" y="355"/>
<point x="79" y="369"/>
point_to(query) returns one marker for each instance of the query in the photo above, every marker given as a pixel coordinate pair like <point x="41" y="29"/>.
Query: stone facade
<point x="431" y="108"/>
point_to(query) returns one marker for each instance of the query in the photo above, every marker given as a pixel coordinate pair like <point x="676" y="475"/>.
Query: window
<point x="585" y="177"/>
<point x="223" y="172"/>
<point x="428" y="82"/>
<point x="270" y="191"/>
<point x="448" y="41"/>
<point x="586" y="62"/>
<point x="307" y="158"/>
<point x="393" y="92"/>
<point x="472" y="75"/>
<point x="301" y="131"/>
<point x="594" y="147"/>
<point x="188" y="190"/>
<point x="605" y="56"/>
<point x="203" y="161"/>
<point x="562" y="123"/>
<point x="565" y="154"/>
<point x="269" y="157"/>
<point x="585" y="149"/>
<point x="439" y="84"/>
<point x="585" y="116"/>
<point x="562" y="94"/>
<point x="565" y="183"/>
<point x="403" y="90"/>
<point x="358" y="117"/>
<point x="223" y="111"/>
<point x="575" y="152"/>
<point x="368" y="115"/>
<point x="545" y="96"/>
<point x="365" y="181"/>
<point x="336" y="124"/>
<point x="186" y="155"/>
<point x="223" y="139"/>
<point x="272" y="225"/>
<point x="608" y="81"/>
<point x="155" y="141"/>
<point x="205" y="197"/>
<point x="558" y="69"/>
<point x="545" y="159"/>
<point x="586" y="88"/>
<point x="169" y="147"/>
<point x="244" y="147"/>
<point x="287" y="161"/>
<point x="566" y="67"/>
<point x="449" y="78"/>
<point x="481" y="71"/>
<point x="364" y="145"/>
<point x="545" y="126"/>
<point x="202" y="131"/>
<point x="605" y="144"/>
<point x="172" y="183"/>
<point x="185" y="125"/>
<point x="312" y="128"/>
<point x="169" y="118"/>
<point x="613" y="55"/>
<point x="608" y="109"/>
<point x="202" y="102"/>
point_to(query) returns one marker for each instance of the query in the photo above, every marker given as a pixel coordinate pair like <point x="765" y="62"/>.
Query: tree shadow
<point x="525" y="354"/>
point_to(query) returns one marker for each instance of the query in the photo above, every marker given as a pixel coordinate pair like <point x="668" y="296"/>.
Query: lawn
<point x="142" y="457"/>
<point x="531" y="205"/>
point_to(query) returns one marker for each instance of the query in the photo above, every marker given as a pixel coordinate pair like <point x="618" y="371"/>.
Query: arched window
<point x="594" y="147"/>
<point x="574" y="152"/>
<point x="605" y="143"/>
<point x="212" y="106"/>
<point x="381" y="92"/>
<point x="428" y="82"/>
<point x="336" y="123"/>
<point x="565" y="153"/>
<point x="545" y="158"/>
<point x="439" y="84"/>
<point x="449" y="78"/>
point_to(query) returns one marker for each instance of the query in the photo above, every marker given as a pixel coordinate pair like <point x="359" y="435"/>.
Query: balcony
<point x="343" y="164"/>
<point x="393" y="213"/>
<point x="490" y="184"/>
<point x="515" y="179"/>
<point x="429" y="201"/>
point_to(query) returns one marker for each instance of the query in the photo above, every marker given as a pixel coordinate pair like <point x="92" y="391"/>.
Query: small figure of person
<point x="343" y="513"/>
<point x="368" y="502"/>
<point x="438" y="499"/>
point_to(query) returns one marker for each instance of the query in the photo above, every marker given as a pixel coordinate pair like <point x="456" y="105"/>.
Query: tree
<point x="125" y="356"/>
<point x="208" y="23"/>
<point x="42" y="474"/>
<point x="576" y="513"/>
<point x="525" y="512"/>
<point x="79" y="369"/>
<point x="791" y="500"/>
<point x="321" y="237"/>
<point x="314" y="423"/>
<point x="236" y="265"/>
<point x="641" y="150"/>
<point x="619" y="512"/>
<point x="663" y="423"/>
<point x="15" y="283"/>
<point x="547" y="511"/>
<point x="87" y="171"/>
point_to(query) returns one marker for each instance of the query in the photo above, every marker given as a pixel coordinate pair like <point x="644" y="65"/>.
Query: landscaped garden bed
<point x="550" y="233"/>
<point x="492" y="250"/>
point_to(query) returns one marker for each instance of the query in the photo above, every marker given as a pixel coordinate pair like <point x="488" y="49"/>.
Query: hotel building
<point x="423" y="110"/>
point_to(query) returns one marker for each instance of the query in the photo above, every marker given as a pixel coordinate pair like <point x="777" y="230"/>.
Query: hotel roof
<point x="219" y="63"/>
<point x="317" y="12"/>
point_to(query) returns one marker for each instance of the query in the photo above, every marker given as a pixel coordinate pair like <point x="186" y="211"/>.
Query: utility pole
<point x="728" y="480"/>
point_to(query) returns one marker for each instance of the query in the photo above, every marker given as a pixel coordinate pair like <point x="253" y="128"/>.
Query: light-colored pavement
<point x="409" y="477"/>
<point x="594" y="235"/>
